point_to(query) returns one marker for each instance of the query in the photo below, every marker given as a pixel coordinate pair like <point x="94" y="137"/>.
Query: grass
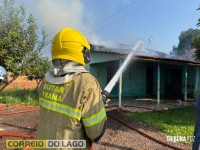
<point x="19" y="96"/>
<point x="173" y="122"/>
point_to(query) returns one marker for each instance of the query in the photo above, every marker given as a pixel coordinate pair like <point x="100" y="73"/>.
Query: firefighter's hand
<point x="105" y="96"/>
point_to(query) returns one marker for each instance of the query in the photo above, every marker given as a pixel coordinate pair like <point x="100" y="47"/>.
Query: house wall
<point x="100" y="57"/>
<point x="191" y="75"/>
<point x="197" y="82"/>
<point x="134" y="78"/>
<point x="99" y="65"/>
<point x="170" y="86"/>
<point x="100" y="72"/>
<point x="166" y="80"/>
<point x="163" y="77"/>
<point x="191" y="79"/>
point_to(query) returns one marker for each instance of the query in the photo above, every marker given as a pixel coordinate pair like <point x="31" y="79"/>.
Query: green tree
<point x="196" y="42"/>
<point x="185" y="41"/>
<point x="198" y="23"/>
<point x="36" y="69"/>
<point x="196" y="45"/>
<point x="21" y="41"/>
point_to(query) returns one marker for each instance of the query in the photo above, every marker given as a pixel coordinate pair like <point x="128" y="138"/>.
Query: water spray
<point x="113" y="81"/>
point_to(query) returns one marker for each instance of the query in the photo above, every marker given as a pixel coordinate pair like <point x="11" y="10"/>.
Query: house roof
<point x="149" y="54"/>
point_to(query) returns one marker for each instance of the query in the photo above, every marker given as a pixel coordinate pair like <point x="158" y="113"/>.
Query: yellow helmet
<point x="70" y="44"/>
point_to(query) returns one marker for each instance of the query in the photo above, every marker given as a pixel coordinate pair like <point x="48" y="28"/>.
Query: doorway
<point x="149" y="80"/>
<point x="111" y="70"/>
<point x="176" y="78"/>
<point x="173" y="89"/>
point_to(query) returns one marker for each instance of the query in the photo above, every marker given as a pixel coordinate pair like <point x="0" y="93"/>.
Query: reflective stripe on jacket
<point x="71" y="111"/>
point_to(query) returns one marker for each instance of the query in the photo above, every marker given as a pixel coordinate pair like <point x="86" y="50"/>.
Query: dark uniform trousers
<point x="196" y="142"/>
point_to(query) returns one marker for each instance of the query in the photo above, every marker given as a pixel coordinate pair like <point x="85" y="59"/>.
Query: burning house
<point x="150" y="74"/>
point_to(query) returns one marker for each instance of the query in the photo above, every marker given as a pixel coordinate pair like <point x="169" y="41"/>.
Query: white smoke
<point x="93" y="39"/>
<point x="55" y="15"/>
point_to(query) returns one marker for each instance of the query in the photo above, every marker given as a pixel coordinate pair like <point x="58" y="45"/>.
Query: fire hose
<point x="4" y="108"/>
<point x="145" y="134"/>
<point x="17" y="135"/>
<point x="18" y="112"/>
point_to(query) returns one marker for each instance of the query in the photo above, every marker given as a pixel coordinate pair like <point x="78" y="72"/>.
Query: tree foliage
<point x="37" y="69"/>
<point x="196" y="42"/>
<point x="21" y="41"/>
<point x="198" y="23"/>
<point x="196" y="45"/>
<point x="185" y="41"/>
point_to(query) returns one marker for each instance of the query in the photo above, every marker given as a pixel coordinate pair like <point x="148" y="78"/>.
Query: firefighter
<point x="69" y="96"/>
<point x="3" y="76"/>
<point x="196" y="142"/>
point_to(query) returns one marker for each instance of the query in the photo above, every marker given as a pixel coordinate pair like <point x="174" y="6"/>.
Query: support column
<point x="196" y="83"/>
<point x="120" y="85"/>
<point x="158" y="83"/>
<point x="185" y="88"/>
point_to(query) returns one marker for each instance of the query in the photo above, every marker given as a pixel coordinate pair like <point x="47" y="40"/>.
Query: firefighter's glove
<point x="105" y="97"/>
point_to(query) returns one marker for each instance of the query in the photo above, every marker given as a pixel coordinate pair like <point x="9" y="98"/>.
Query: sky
<point x="112" y="22"/>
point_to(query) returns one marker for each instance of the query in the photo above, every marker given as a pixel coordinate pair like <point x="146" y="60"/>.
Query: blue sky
<point x="107" y="22"/>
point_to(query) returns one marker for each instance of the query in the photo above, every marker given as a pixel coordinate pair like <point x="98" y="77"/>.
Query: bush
<point x="20" y="96"/>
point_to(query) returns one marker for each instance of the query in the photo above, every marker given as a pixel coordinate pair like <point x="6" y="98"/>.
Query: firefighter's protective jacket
<point x="196" y="142"/>
<point x="72" y="110"/>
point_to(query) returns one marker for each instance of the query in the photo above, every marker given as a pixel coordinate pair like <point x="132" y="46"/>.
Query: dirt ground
<point x="21" y="83"/>
<point x="116" y="137"/>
